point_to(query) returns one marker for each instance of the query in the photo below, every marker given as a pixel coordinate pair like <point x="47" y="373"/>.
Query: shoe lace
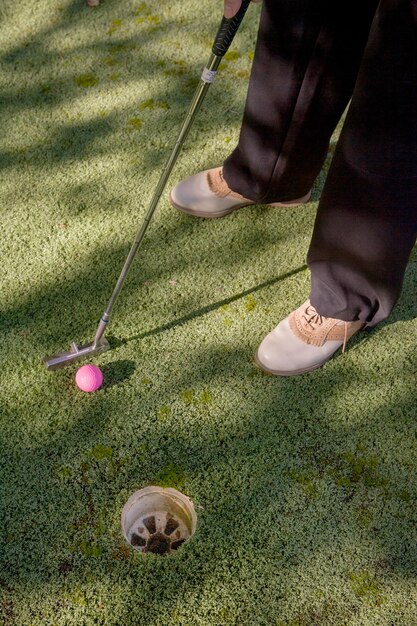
<point x="314" y="320"/>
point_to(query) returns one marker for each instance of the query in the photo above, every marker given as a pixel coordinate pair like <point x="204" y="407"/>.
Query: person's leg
<point x="366" y="223"/>
<point x="305" y="66"/>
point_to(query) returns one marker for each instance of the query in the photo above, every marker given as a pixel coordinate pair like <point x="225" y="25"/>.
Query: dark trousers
<point x="312" y="58"/>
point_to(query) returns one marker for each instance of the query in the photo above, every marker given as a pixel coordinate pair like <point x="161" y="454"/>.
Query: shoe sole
<point x="211" y="215"/>
<point x="196" y="213"/>
<point x="292" y="372"/>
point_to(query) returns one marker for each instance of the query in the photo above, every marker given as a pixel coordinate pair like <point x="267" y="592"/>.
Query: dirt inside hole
<point x="149" y="523"/>
<point x="136" y="540"/>
<point x="158" y="544"/>
<point x="171" y="525"/>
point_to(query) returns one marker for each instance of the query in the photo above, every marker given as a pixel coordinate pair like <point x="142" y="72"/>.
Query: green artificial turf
<point x="304" y="487"/>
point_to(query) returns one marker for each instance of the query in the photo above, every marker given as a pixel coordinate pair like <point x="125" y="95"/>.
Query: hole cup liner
<point x="158" y="520"/>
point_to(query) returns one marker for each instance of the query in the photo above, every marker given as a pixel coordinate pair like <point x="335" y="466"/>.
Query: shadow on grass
<point x="80" y="139"/>
<point x="284" y="472"/>
<point x="68" y="307"/>
<point x="285" y="478"/>
<point x="212" y="307"/>
<point x="59" y="313"/>
<point x="117" y="372"/>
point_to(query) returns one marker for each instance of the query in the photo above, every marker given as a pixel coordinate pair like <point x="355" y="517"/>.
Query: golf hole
<point x="158" y="520"/>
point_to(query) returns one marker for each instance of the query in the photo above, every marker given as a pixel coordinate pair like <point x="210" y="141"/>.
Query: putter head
<point x="62" y="359"/>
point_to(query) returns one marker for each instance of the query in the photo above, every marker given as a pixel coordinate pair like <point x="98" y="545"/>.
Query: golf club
<point x="227" y="30"/>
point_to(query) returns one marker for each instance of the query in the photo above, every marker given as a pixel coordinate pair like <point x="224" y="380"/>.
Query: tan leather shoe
<point x="303" y="342"/>
<point x="207" y="194"/>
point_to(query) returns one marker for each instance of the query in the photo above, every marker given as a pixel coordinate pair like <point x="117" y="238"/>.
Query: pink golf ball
<point x="89" y="378"/>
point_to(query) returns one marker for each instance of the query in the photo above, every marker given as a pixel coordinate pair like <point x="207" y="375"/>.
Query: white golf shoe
<point x="303" y="342"/>
<point x="207" y="194"/>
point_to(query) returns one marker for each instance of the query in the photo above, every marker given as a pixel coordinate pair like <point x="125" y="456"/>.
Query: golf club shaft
<point x="206" y="79"/>
<point x="224" y="37"/>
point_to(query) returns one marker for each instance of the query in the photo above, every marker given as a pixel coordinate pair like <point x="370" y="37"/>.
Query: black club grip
<point x="228" y="29"/>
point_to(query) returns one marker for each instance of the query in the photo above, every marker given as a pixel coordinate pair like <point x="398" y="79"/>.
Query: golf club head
<point x="62" y="359"/>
